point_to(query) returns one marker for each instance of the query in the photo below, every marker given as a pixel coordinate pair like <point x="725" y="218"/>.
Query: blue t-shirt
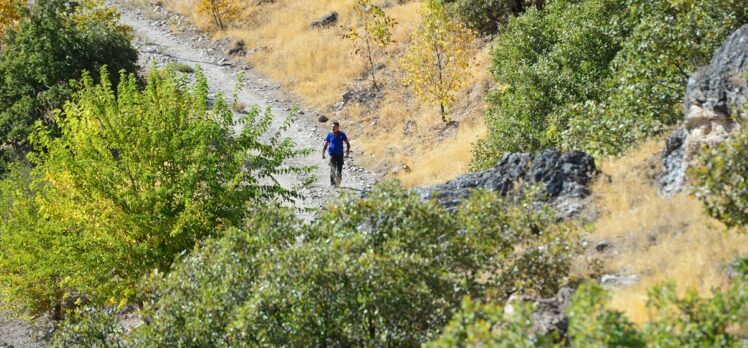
<point x="336" y="143"/>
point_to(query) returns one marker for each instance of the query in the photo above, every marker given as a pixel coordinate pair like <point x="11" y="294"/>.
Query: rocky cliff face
<point x="564" y="176"/>
<point x="715" y="101"/>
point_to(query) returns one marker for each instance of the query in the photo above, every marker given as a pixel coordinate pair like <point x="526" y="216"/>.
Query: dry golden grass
<point x="320" y="65"/>
<point x="446" y="161"/>
<point x="660" y="239"/>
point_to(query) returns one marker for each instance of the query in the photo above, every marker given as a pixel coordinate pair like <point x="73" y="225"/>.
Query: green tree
<point x="135" y="178"/>
<point x="598" y="75"/>
<point x="721" y="180"/>
<point x="385" y="270"/>
<point x="377" y="30"/>
<point x="484" y="16"/>
<point x="436" y="62"/>
<point x="54" y="42"/>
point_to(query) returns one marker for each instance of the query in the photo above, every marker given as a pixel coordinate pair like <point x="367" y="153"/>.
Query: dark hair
<point x="335" y="123"/>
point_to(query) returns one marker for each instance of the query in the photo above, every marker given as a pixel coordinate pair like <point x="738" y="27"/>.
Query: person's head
<point x="335" y="126"/>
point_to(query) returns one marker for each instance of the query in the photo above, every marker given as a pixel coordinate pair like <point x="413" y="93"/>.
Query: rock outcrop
<point x="325" y="21"/>
<point x="715" y="100"/>
<point x="549" y="316"/>
<point x="564" y="176"/>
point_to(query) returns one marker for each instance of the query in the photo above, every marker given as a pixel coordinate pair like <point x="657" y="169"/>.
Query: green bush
<point x="90" y="328"/>
<point x="485" y="16"/>
<point x="135" y="179"/>
<point x="55" y="41"/>
<point x="387" y="270"/>
<point x="721" y="180"/>
<point x="598" y="75"/>
<point x="679" y="321"/>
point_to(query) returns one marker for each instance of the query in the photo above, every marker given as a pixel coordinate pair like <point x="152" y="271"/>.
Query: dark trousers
<point x="336" y="170"/>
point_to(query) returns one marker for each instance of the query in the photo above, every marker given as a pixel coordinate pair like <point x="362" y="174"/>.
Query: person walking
<point x="334" y="147"/>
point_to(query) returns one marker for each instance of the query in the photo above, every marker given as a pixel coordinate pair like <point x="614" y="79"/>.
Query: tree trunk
<point x="444" y="114"/>
<point x="371" y="63"/>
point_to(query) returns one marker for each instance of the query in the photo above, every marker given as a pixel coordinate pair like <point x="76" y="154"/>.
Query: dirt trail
<point x="159" y="46"/>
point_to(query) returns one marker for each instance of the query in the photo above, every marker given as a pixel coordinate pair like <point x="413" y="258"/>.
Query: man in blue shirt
<point x="334" y="147"/>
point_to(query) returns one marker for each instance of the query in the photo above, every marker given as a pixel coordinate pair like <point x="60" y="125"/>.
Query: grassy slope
<point x="657" y="238"/>
<point x="660" y="239"/>
<point x="321" y="65"/>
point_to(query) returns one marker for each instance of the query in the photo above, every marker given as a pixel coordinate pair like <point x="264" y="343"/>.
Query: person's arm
<point x="348" y="148"/>
<point x="324" y="148"/>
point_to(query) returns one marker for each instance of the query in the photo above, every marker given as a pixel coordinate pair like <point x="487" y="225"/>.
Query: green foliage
<point x="687" y="321"/>
<point x="386" y="270"/>
<point x="593" y="325"/>
<point x="695" y="321"/>
<point x="721" y="180"/>
<point x="598" y="75"/>
<point x="53" y="43"/>
<point x="135" y="178"/>
<point x="484" y="16"/>
<point x="486" y="325"/>
<point x="377" y="30"/>
<point x="185" y="68"/>
<point x="90" y="328"/>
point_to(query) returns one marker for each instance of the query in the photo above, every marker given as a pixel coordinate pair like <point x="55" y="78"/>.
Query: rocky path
<point x="157" y="45"/>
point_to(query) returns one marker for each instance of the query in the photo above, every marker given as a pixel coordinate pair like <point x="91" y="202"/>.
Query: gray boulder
<point x="550" y="316"/>
<point x="326" y="21"/>
<point x="565" y="177"/>
<point x="715" y="100"/>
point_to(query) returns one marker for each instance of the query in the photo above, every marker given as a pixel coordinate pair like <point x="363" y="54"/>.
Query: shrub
<point x="484" y="16"/>
<point x="687" y="321"/>
<point x="387" y="270"/>
<point x="135" y="179"/>
<point x="598" y="75"/>
<point x="721" y="180"/>
<point x="53" y="43"/>
<point x="543" y="62"/>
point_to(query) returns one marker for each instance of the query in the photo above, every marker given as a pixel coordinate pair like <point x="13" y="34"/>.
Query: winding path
<point x="157" y="45"/>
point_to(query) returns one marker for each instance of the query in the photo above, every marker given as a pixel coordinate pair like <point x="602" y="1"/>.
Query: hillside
<point x="580" y="180"/>
<point x="322" y="68"/>
<point x="638" y="233"/>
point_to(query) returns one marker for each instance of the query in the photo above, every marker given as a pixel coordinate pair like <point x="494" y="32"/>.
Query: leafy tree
<point x="52" y="44"/>
<point x="385" y="270"/>
<point x="721" y="180"/>
<point x="135" y="179"/>
<point x="484" y="16"/>
<point x="593" y="325"/>
<point x="669" y="40"/>
<point x="437" y="59"/>
<point x="598" y="75"/>
<point x="221" y="12"/>
<point x="544" y="61"/>
<point x="377" y="29"/>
